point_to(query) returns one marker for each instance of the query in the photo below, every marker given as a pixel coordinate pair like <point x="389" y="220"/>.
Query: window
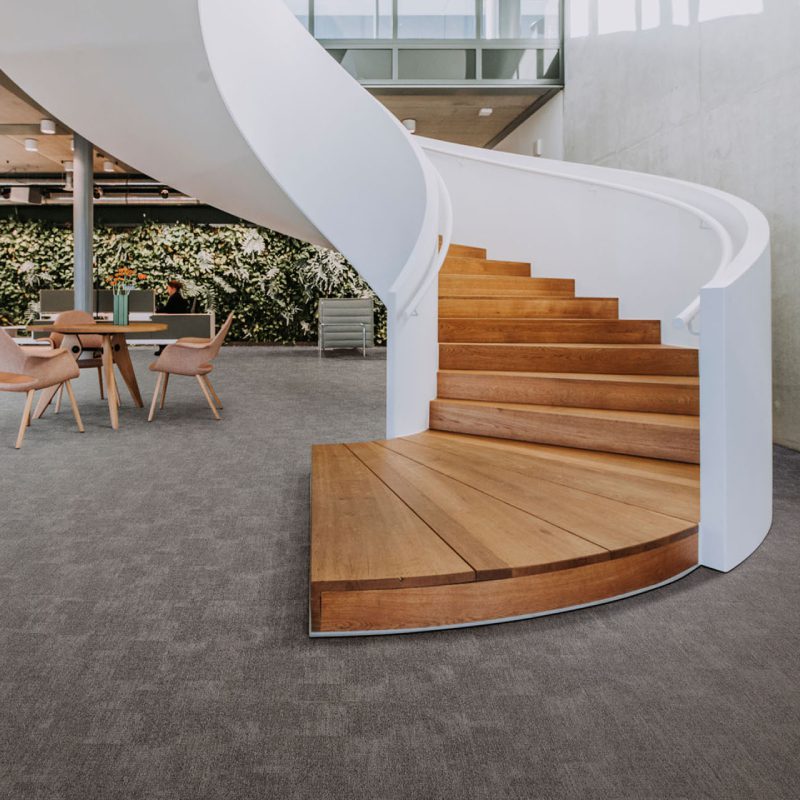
<point x="436" y="19"/>
<point x="353" y="19"/>
<point x="521" y="19"/>
<point x="443" y="65"/>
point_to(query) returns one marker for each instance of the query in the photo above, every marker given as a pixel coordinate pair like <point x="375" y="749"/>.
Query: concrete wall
<point x="547" y="125"/>
<point x="708" y="91"/>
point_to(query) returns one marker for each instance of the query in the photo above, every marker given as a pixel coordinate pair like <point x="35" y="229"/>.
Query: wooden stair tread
<point x="649" y="483"/>
<point x="593" y="377"/>
<point x="619" y="527"/>
<point x="669" y="436"/>
<point x="509" y="283"/>
<point x="633" y="417"/>
<point x="363" y="536"/>
<point x="458" y="266"/>
<point x="546" y="307"/>
<point x="498" y="540"/>
<point x="466" y="250"/>
<point x="644" y="359"/>
<point x="525" y="330"/>
<point x="613" y="463"/>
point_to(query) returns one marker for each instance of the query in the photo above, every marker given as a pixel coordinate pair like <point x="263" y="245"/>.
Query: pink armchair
<point x="192" y="357"/>
<point x="92" y="344"/>
<point x="36" y="369"/>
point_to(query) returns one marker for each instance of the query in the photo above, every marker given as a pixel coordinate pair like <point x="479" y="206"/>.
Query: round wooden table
<point x="115" y="351"/>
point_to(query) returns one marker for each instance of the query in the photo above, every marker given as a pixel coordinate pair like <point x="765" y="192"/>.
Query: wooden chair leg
<point x="201" y="381"/>
<point x="213" y="393"/>
<point x="26" y="416"/>
<point x="74" y="404"/>
<point x="164" y="389"/>
<point x="59" y="398"/>
<point x="100" y="381"/>
<point x="152" y="413"/>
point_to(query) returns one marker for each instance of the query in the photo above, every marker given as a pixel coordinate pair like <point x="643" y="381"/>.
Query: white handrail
<point x="726" y="243"/>
<point x="446" y="232"/>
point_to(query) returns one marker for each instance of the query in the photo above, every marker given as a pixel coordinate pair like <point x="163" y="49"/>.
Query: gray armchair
<point x="346" y="322"/>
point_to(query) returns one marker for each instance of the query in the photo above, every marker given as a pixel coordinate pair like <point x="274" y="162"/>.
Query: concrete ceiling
<point x="19" y="119"/>
<point x="452" y="115"/>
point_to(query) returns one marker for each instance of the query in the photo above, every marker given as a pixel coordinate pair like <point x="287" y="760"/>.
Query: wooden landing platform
<point x="444" y="529"/>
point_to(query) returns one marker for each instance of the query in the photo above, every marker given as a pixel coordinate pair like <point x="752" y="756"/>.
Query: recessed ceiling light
<point x="485" y="112"/>
<point x="32" y="145"/>
<point x="108" y="166"/>
<point x="47" y="126"/>
<point x="410" y="125"/>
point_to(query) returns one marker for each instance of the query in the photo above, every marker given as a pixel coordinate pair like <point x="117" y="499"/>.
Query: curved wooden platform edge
<point x="443" y="530"/>
<point x="373" y="603"/>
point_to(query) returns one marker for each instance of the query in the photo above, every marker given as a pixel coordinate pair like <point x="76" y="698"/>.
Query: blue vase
<point x="121" y="309"/>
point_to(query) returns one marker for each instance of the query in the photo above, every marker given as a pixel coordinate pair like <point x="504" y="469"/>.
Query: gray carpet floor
<point x="153" y="627"/>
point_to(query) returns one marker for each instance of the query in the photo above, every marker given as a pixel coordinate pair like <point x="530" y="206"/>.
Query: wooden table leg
<point x="72" y="345"/>
<point x="123" y="361"/>
<point x="111" y="391"/>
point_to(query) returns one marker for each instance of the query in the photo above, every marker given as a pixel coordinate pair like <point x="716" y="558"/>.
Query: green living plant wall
<point x="271" y="281"/>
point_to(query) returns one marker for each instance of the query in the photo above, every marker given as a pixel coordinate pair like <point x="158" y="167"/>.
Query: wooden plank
<point x="608" y="523"/>
<point x="363" y="536"/>
<point x="466" y="250"/>
<point x="657" y="393"/>
<point x="478" y="285"/>
<point x="481" y="266"/>
<point x="442" y="606"/>
<point x="578" y="307"/>
<point x="645" y="489"/>
<point x="669" y="436"/>
<point x="628" y="359"/>
<point x="597" y="331"/>
<point x="497" y="540"/>
<point x="616" y="463"/>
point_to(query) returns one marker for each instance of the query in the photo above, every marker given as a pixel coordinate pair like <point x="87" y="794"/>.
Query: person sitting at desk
<point x="176" y="304"/>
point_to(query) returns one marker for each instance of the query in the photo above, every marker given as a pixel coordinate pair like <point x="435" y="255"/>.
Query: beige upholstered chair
<point x="189" y="356"/>
<point x="90" y="344"/>
<point x="41" y="368"/>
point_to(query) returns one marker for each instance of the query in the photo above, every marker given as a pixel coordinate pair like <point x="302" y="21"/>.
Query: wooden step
<point x="510" y="331"/>
<point x="365" y="537"/>
<point x="668" y="487"/>
<point x="538" y="480"/>
<point x="656" y="393"/>
<point x="498" y="540"/>
<point x="482" y="283"/>
<point x="517" y="307"/>
<point x="669" y="436"/>
<point x="466" y="250"/>
<point x="458" y="265"/>
<point x="620" y="359"/>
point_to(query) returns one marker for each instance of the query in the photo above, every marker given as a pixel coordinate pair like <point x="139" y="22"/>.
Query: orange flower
<point x="142" y="276"/>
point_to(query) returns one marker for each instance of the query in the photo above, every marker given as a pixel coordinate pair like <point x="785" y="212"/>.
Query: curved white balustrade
<point x="657" y="244"/>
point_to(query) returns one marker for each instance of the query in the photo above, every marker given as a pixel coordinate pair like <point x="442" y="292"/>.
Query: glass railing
<point x="440" y="42"/>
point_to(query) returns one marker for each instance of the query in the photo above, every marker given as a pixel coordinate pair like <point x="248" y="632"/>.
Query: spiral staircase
<point x="557" y="464"/>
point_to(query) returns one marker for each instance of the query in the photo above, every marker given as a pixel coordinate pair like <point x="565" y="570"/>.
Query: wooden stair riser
<point x="513" y="331"/>
<point x="457" y="265"/>
<point x="465" y="250"/>
<point x="536" y="307"/>
<point x="563" y="287"/>
<point x="648" y="437"/>
<point x="582" y="391"/>
<point x="604" y="359"/>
